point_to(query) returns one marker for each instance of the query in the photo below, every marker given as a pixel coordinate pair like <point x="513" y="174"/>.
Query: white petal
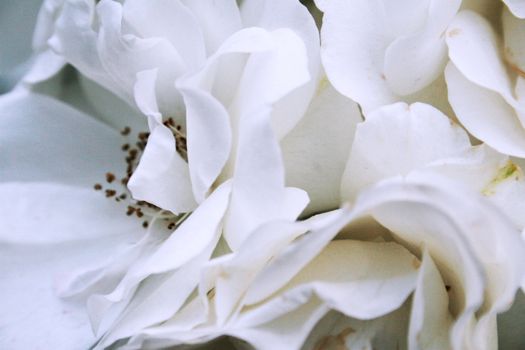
<point x="411" y="63"/>
<point x="485" y="114"/>
<point x="292" y="260"/>
<point x="172" y="21"/>
<point x="76" y="41"/>
<point x="286" y="332"/>
<point x="157" y="299"/>
<point x="232" y="275"/>
<point x="258" y="193"/>
<point x="217" y="21"/>
<point x="430" y="320"/>
<point x="347" y="37"/>
<point x="45" y="239"/>
<point x="316" y="150"/>
<point x="123" y="55"/>
<point x="162" y="176"/>
<point x="397" y="139"/>
<point x="360" y="279"/>
<point x="106" y="106"/>
<point x="187" y="242"/>
<point x="380" y="40"/>
<point x="46" y="140"/>
<point x="208" y="122"/>
<point x="469" y="36"/>
<point x="275" y="14"/>
<point x="208" y="139"/>
<point x="46" y="63"/>
<point x="478" y="250"/>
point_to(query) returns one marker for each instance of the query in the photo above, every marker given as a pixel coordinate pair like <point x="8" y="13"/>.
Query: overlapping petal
<point x="482" y="91"/>
<point x="370" y="49"/>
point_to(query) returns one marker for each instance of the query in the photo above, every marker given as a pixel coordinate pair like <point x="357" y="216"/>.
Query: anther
<point x="110" y="193"/>
<point x="125" y="146"/>
<point x="145" y="224"/>
<point x="110" y="177"/>
<point x="130" y="211"/>
<point x="125" y="131"/>
<point x="97" y="187"/>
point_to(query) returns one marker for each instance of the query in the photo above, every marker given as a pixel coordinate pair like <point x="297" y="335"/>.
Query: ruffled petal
<point x="380" y="40"/>
<point x="123" y="55"/>
<point x="259" y="192"/>
<point x="178" y="253"/>
<point x="275" y="14"/>
<point x="162" y="176"/>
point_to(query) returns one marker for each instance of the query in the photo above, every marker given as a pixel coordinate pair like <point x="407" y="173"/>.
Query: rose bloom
<point x="245" y="106"/>
<point x="165" y="161"/>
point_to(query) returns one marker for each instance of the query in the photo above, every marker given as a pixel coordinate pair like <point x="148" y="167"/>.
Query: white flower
<point x="243" y="111"/>
<point x="459" y="256"/>
<point x="485" y="82"/>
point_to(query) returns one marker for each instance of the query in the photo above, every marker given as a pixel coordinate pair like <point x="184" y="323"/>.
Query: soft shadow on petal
<point x="46" y="140"/>
<point x="44" y="241"/>
<point x="316" y="150"/>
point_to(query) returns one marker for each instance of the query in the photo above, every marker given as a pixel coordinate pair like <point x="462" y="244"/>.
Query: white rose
<point x="459" y="257"/>
<point x="278" y="75"/>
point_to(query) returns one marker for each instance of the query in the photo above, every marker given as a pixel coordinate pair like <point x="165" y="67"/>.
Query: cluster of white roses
<point x="181" y="172"/>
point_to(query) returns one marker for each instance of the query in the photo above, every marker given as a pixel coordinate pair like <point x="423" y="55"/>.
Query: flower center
<point x="115" y="188"/>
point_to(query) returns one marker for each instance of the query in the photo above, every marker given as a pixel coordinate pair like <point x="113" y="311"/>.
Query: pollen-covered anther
<point x="180" y="138"/>
<point x="110" y="193"/>
<point x="110" y="177"/>
<point x="130" y="210"/>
